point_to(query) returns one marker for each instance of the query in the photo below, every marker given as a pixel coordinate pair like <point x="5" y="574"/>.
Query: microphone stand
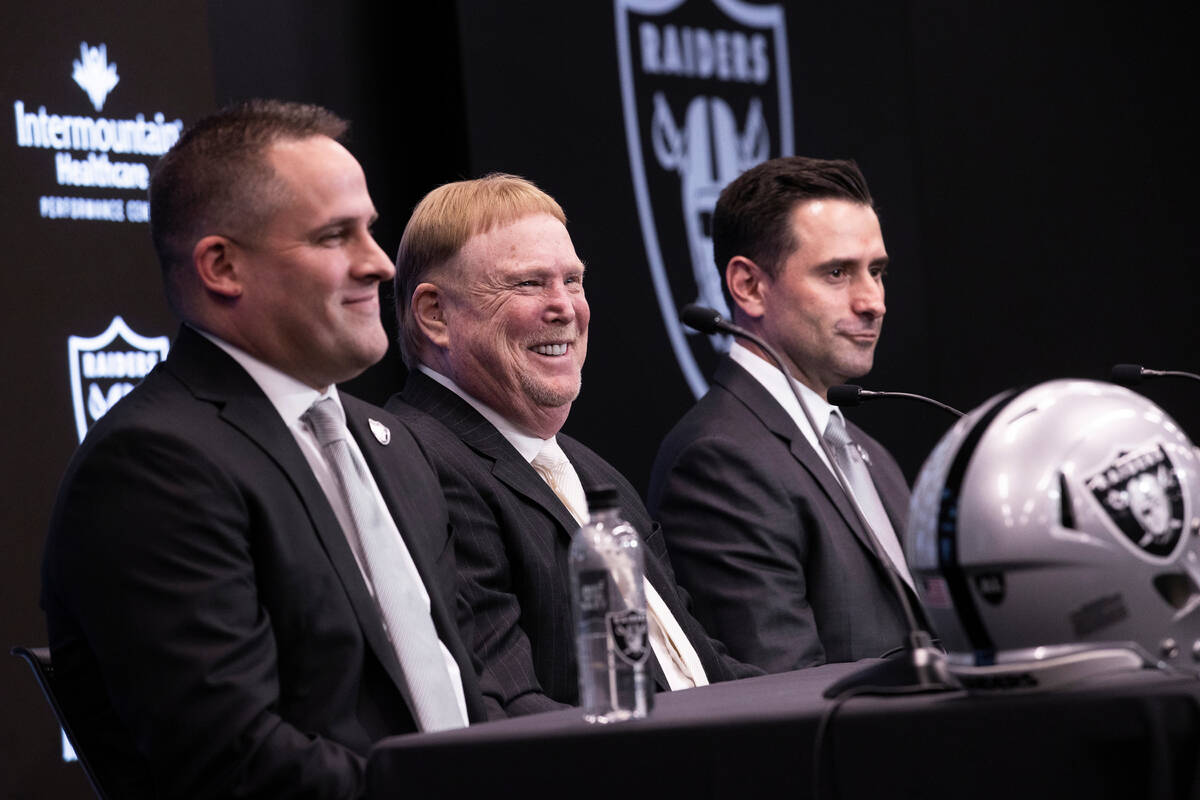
<point x="847" y="394"/>
<point x="920" y="666"/>
<point x="1133" y="374"/>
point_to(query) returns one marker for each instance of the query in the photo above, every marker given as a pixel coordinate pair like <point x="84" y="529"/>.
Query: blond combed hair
<point x="444" y="221"/>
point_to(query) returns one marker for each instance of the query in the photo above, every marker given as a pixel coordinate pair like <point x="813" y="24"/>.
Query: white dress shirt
<point x="766" y="373"/>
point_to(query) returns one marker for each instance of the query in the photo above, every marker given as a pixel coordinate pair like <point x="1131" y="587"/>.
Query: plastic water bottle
<point x="611" y="636"/>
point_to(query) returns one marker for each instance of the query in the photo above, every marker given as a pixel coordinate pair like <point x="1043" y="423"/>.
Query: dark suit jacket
<point x="512" y="534"/>
<point x="207" y="619"/>
<point x="760" y="534"/>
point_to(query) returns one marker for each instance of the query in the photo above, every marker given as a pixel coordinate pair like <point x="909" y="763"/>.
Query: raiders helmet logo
<point x="1140" y="492"/>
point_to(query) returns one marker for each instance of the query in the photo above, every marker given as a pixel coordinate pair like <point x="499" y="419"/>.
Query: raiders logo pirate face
<point x="1140" y="492"/>
<point x="627" y="633"/>
<point x="706" y="94"/>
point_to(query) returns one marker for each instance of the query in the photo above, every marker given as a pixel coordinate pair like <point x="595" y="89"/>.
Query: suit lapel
<point x="215" y="377"/>
<point x="409" y="516"/>
<point x="509" y="467"/>
<point x="755" y="397"/>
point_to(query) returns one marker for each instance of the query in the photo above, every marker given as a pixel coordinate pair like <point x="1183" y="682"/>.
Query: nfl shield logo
<point x="706" y="94"/>
<point x="105" y="368"/>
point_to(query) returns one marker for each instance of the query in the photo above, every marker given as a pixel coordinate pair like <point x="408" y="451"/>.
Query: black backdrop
<point x="1033" y="168"/>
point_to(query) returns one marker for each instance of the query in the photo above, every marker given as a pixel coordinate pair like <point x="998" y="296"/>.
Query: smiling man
<point x="248" y="579"/>
<point x="494" y="327"/>
<point x="760" y="533"/>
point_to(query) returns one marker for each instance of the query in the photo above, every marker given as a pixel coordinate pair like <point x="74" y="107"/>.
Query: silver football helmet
<point x="1054" y="533"/>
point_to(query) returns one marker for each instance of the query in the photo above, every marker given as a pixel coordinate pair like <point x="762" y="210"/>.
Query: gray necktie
<point x="405" y="615"/>
<point x="849" y="458"/>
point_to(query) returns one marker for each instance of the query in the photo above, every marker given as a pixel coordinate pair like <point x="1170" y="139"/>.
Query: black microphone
<point x="706" y="320"/>
<point x="924" y="668"/>
<point x="848" y="395"/>
<point x="1133" y="374"/>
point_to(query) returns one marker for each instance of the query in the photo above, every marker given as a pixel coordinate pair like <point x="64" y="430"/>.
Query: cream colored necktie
<point x="675" y="654"/>
<point x="556" y="470"/>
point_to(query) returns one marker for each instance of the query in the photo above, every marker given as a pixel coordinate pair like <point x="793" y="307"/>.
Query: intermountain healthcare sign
<point x="706" y="94"/>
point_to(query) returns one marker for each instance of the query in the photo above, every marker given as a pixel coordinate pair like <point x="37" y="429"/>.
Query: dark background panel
<point x="855" y="93"/>
<point x="63" y="278"/>
<point x="564" y="129"/>
<point x="1056" y="201"/>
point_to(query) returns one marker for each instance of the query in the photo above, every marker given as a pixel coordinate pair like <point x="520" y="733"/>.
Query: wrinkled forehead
<point x="532" y="242"/>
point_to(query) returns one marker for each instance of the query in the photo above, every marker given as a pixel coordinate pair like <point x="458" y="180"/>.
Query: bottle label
<point x="627" y="632"/>
<point x="593" y="594"/>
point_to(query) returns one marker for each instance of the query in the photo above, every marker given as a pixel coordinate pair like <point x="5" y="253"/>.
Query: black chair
<point x="39" y="660"/>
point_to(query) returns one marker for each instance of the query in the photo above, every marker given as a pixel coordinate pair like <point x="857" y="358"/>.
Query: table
<point x="1129" y="737"/>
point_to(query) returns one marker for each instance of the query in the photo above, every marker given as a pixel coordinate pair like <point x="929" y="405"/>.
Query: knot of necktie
<point x="552" y="464"/>
<point x="836" y="433"/>
<point x="324" y="421"/>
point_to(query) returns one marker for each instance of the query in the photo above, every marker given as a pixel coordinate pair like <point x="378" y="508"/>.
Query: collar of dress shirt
<point x="766" y="373"/>
<point x="290" y="397"/>
<point x="526" y="444"/>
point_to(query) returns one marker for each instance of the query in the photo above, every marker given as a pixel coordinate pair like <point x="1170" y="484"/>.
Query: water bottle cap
<point x="602" y="498"/>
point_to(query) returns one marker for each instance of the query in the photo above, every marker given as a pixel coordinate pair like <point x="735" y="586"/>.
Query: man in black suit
<point x="762" y="536"/>
<point x="213" y="585"/>
<point x="494" y="328"/>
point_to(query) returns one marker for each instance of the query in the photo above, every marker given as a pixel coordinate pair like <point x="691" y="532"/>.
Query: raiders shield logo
<point x="105" y="368"/>
<point x="706" y="95"/>
<point x="1141" y="493"/>
<point x="627" y="632"/>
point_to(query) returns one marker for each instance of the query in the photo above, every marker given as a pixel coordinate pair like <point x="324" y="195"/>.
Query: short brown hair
<point x="443" y="222"/>
<point x="215" y="179"/>
<point x="752" y="217"/>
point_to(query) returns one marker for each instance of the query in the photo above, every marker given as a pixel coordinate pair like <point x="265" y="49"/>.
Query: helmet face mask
<point x="1058" y="519"/>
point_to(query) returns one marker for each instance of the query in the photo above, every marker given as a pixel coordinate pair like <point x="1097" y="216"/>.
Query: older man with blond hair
<point x="494" y="323"/>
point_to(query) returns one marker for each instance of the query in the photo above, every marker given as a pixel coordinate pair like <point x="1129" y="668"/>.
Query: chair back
<point x="38" y="659"/>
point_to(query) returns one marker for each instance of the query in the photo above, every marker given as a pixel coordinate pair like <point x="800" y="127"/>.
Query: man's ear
<point x="215" y="261"/>
<point x="429" y="311"/>
<point x="747" y="285"/>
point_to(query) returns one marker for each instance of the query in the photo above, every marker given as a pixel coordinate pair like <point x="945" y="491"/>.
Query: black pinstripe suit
<point x="512" y="535"/>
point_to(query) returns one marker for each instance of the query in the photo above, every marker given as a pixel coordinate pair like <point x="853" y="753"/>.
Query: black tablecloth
<point x="1131" y="737"/>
